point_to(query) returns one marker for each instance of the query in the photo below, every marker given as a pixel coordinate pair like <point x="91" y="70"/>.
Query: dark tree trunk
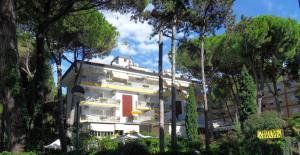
<point x="37" y="135"/>
<point x="161" y="97"/>
<point x="62" y="132"/>
<point x="39" y="77"/>
<point x="10" y="82"/>
<point x="275" y="94"/>
<point x="173" y="98"/>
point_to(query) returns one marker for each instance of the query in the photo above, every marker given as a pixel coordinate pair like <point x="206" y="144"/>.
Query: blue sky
<point x="134" y="40"/>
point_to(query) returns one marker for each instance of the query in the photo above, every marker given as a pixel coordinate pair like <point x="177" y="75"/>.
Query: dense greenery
<point x="191" y="119"/>
<point x="247" y="95"/>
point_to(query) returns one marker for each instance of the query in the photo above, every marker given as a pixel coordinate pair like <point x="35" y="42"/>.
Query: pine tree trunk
<point x="37" y="134"/>
<point x="204" y="97"/>
<point x="278" y="108"/>
<point x="10" y="82"/>
<point x="173" y="99"/>
<point x="62" y="132"/>
<point x="75" y="82"/>
<point x="161" y="97"/>
<point x="260" y="92"/>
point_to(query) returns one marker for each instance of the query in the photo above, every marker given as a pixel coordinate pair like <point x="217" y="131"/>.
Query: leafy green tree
<point x="191" y="120"/>
<point x="204" y="17"/>
<point x="88" y="32"/>
<point x="247" y="95"/>
<point x="166" y="18"/>
<point x="266" y="44"/>
<point x="47" y="129"/>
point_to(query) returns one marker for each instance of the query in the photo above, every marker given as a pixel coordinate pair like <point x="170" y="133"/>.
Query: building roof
<point x="122" y="68"/>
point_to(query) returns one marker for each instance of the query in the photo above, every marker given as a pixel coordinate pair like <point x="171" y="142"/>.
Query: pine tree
<point x="191" y="122"/>
<point x="247" y="95"/>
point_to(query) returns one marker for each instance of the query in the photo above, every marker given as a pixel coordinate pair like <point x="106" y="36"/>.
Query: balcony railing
<point x="143" y="105"/>
<point x="141" y="87"/>
<point x="97" y="118"/>
<point x="108" y="102"/>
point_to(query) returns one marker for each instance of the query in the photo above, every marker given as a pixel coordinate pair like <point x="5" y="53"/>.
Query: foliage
<point x="152" y="144"/>
<point x="265" y="121"/>
<point x="88" y="28"/>
<point x="191" y="121"/>
<point x="294" y="121"/>
<point x="134" y="147"/>
<point x="108" y="144"/>
<point x="247" y="95"/>
<point x="23" y="153"/>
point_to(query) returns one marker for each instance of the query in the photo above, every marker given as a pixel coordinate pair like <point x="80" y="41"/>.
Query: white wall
<point x="131" y="127"/>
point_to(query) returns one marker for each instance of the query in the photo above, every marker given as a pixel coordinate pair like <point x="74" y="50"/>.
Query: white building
<point x="120" y="97"/>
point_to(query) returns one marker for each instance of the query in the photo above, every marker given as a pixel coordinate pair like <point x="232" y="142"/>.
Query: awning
<point x="184" y="84"/>
<point x="168" y="83"/>
<point x="136" y="76"/>
<point x="103" y="127"/>
<point x="120" y="75"/>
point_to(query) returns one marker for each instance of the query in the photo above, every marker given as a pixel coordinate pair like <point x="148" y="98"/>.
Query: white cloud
<point x="136" y="33"/>
<point x="147" y="47"/>
<point x="126" y="49"/>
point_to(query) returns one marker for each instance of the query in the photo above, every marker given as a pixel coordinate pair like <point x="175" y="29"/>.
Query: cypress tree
<point x="247" y="95"/>
<point x="191" y="122"/>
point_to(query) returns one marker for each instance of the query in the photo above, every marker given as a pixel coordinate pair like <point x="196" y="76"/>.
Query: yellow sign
<point x="268" y="134"/>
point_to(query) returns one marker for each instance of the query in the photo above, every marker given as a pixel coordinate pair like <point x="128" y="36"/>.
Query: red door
<point x="127" y="105"/>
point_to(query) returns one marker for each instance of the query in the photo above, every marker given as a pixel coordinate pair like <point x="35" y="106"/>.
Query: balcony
<point x="102" y="102"/>
<point x="97" y="118"/>
<point x="143" y="106"/>
<point x="124" y="85"/>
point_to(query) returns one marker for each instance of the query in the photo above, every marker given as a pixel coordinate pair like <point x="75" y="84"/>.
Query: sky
<point x="135" y="42"/>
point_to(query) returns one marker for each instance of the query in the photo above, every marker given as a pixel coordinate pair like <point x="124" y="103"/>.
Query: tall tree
<point x="267" y="43"/>
<point x="87" y="29"/>
<point x="191" y="119"/>
<point x="166" y="19"/>
<point x="10" y="83"/>
<point x="205" y="16"/>
<point x="247" y="95"/>
<point x="39" y="15"/>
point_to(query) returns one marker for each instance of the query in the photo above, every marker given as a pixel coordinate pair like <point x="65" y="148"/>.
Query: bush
<point x="134" y="148"/>
<point x="152" y="144"/>
<point x="265" y="121"/>
<point x="108" y="144"/>
<point x="23" y="153"/>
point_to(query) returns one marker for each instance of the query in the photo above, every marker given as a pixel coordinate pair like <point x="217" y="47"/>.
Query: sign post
<point x="269" y="134"/>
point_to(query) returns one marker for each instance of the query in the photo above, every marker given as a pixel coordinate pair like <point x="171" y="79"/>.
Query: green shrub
<point x="108" y="144"/>
<point x="152" y="144"/>
<point x="265" y="121"/>
<point x="23" y="153"/>
<point x="134" y="148"/>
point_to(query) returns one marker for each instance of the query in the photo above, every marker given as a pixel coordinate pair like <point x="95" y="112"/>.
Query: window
<point x="178" y="108"/>
<point x="101" y="133"/>
<point x="271" y="103"/>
